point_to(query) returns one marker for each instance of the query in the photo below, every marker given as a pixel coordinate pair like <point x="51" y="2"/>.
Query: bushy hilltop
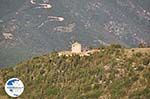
<point x="109" y="74"/>
<point x="27" y="28"/>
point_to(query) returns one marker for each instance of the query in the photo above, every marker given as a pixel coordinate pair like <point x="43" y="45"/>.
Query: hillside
<point x="107" y="74"/>
<point x="28" y="28"/>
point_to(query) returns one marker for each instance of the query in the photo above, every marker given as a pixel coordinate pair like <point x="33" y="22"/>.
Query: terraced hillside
<point x="107" y="74"/>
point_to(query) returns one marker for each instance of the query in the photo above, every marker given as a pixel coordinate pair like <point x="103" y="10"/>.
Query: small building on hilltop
<point x="76" y="48"/>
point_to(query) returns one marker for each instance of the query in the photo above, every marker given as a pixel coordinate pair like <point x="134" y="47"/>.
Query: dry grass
<point x="3" y="97"/>
<point x="132" y="51"/>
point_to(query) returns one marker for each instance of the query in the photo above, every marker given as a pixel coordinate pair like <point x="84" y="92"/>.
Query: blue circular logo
<point x="14" y="87"/>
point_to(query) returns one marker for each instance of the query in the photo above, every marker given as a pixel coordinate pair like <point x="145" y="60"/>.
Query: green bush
<point x="116" y="46"/>
<point x="146" y="61"/>
<point x="51" y="91"/>
<point x="138" y="54"/>
<point x="140" y="68"/>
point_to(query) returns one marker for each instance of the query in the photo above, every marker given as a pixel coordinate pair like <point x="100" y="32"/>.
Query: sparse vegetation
<point x="108" y="74"/>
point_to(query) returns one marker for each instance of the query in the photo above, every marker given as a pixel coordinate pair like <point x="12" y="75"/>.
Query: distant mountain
<point x="111" y="73"/>
<point x="32" y="27"/>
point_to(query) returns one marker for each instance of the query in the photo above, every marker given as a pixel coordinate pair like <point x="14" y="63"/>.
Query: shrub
<point x="147" y="75"/>
<point x="116" y="46"/>
<point x="138" y="54"/>
<point x="142" y="45"/>
<point x="146" y="61"/>
<point x="140" y="68"/>
<point x="51" y="91"/>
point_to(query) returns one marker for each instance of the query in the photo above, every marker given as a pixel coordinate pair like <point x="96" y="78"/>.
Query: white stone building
<point x="76" y="48"/>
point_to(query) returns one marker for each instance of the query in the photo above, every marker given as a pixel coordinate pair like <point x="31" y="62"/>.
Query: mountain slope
<point x="109" y="74"/>
<point x="46" y="25"/>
